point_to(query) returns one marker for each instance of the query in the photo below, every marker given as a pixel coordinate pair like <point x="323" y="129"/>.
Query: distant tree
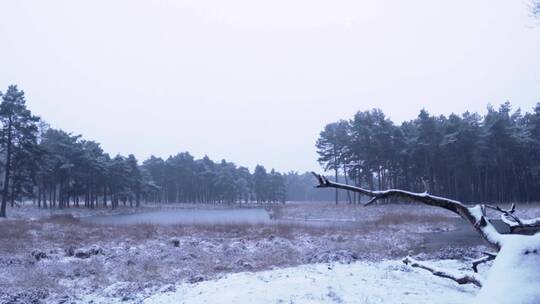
<point x="361" y="144"/>
<point x="59" y="174"/>
<point x="226" y="182"/>
<point x="25" y="167"/>
<point x="60" y="169"/>
<point x="119" y="181"/>
<point x="276" y="187"/>
<point x="244" y="184"/>
<point x="459" y="152"/>
<point x="155" y="166"/>
<point x="18" y="139"/>
<point x="331" y="147"/>
<point x="426" y="150"/>
<point x="532" y="171"/>
<point x="260" y="184"/>
<point x="468" y="156"/>
<point x="135" y="181"/>
<point x="149" y="188"/>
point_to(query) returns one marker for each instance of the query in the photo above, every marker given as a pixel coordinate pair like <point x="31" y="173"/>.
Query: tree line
<point x="55" y="168"/>
<point x="181" y="178"/>
<point x="470" y="157"/>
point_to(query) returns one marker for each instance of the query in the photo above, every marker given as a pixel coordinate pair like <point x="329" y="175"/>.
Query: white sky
<point x="255" y="81"/>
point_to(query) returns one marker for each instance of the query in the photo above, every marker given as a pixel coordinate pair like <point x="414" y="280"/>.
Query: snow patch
<point x="359" y="282"/>
<point x="515" y="274"/>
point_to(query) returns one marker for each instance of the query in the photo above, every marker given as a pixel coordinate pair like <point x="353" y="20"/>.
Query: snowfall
<point x="358" y="282"/>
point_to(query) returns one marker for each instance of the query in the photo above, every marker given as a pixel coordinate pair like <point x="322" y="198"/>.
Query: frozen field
<point x="352" y="257"/>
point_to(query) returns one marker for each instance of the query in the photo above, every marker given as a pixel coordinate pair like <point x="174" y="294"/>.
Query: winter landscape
<point x="345" y="259"/>
<point x="156" y="152"/>
<point x="328" y="254"/>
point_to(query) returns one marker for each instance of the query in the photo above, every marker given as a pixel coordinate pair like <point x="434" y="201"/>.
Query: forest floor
<point x="57" y="257"/>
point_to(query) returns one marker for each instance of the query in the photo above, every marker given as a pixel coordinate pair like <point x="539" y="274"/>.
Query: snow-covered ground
<point x="286" y="262"/>
<point x="359" y="282"/>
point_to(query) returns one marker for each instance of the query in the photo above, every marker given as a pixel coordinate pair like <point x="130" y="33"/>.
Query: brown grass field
<point x="153" y="255"/>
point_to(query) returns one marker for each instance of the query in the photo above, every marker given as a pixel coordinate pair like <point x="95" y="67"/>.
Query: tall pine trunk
<point x="7" y="171"/>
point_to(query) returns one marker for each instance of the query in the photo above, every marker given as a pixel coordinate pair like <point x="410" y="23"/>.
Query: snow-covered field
<point x="51" y="256"/>
<point x="359" y="282"/>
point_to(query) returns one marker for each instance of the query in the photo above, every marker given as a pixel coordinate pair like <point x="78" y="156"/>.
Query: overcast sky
<point x="255" y="81"/>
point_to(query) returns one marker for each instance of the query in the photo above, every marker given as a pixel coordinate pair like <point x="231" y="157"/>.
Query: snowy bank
<point x="359" y="282"/>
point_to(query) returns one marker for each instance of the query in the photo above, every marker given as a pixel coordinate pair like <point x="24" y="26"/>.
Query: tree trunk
<point x="7" y="170"/>
<point x="39" y="198"/>
<point x="337" y="191"/>
<point x="346" y="182"/>
<point x="105" y="196"/>
<point x="138" y="197"/>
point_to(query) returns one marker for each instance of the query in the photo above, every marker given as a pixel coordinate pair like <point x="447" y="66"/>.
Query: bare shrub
<point x="17" y="235"/>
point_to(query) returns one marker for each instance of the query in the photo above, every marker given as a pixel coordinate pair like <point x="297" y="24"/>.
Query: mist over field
<point x="281" y="152"/>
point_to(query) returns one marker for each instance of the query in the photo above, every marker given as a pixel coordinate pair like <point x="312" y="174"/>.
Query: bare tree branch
<point x="512" y="220"/>
<point x="527" y="223"/>
<point x="475" y="215"/>
<point x="488" y="257"/>
<point x="460" y="278"/>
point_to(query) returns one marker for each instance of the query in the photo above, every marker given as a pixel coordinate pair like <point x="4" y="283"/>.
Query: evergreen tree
<point x="18" y="139"/>
<point x="468" y="157"/>
<point x="331" y="147"/>
<point x="260" y="184"/>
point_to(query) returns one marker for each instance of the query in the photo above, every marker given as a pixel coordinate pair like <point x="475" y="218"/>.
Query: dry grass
<point x="407" y="218"/>
<point x="144" y="254"/>
<point x="16" y="235"/>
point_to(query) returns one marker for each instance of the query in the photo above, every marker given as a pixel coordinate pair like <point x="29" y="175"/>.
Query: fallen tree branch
<point x="460" y="278"/>
<point x="475" y="215"/>
<point x="512" y="220"/>
<point x="529" y="223"/>
<point x="488" y="257"/>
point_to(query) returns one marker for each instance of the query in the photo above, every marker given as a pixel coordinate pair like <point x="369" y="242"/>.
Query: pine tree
<point x="260" y="184"/>
<point x="19" y="136"/>
<point x="331" y="147"/>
